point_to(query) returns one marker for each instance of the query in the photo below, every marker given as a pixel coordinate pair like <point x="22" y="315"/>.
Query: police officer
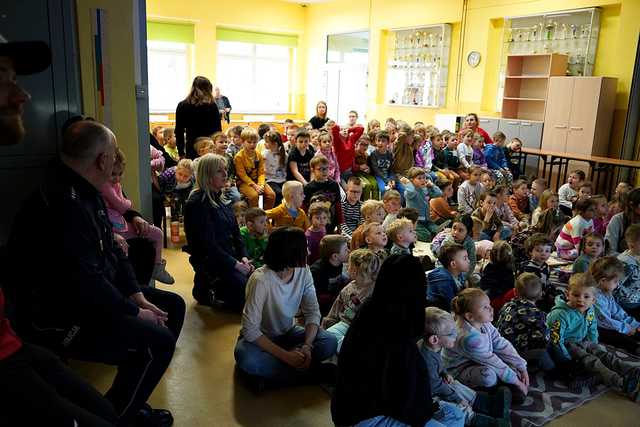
<point x="78" y="294"/>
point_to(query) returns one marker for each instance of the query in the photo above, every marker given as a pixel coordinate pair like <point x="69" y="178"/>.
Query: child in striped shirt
<point x="351" y="205"/>
<point x="569" y="239"/>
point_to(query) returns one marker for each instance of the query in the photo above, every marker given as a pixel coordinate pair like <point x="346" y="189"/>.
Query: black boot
<point x="497" y="405"/>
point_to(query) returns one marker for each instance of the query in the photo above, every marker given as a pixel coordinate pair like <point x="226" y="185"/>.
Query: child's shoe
<point x="497" y="405"/>
<point x="161" y="275"/>
<point x="481" y="420"/>
<point x="631" y="387"/>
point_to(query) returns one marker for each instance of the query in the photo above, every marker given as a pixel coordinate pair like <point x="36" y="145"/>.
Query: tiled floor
<point x="200" y="389"/>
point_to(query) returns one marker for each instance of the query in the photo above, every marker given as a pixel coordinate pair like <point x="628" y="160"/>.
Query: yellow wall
<point x="120" y="52"/>
<point x="259" y="15"/>
<point x="620" y="24"/>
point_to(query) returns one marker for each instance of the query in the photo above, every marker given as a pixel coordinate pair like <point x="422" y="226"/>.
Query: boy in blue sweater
<point x="574" y="337"/>
<point x="615" y="326"/>
<point x="497" y="161"/>
<point x="418" y="191"/>
<point x="445" y="282"/>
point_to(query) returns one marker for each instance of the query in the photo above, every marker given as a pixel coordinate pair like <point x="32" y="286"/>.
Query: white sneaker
<point x="161" y="275"/>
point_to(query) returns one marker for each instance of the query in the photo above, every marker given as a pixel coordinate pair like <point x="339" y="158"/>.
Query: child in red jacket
<point x="344" y="145"/>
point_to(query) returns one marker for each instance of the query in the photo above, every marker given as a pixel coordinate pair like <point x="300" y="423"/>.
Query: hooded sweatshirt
<point x="567" y="324"/>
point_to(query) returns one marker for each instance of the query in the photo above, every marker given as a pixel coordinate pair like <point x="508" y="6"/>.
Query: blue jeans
<point x="399" y="187"/>
<point x="505" y="234"/>
<point x="255" y="361"/>
<point x="449" y="415"/>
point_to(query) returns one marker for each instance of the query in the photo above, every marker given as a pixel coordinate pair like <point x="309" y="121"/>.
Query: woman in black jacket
<point x="382" y="378"/>
<point x="218" y="256"/>
<point x="197" y="115"/>
<point x="321" y="118"/>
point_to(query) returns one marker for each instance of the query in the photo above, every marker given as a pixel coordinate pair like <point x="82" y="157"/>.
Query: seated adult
<point x="382" y="378"/>
<point x="218" y="255"/>
<point x="35" y="387"/>
<point x="271" y="345"/>
<point x="83" y="300"/>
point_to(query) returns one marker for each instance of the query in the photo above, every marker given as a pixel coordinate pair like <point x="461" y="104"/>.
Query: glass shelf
<point x="572" y="32"/>
<point x="418" y="66"/>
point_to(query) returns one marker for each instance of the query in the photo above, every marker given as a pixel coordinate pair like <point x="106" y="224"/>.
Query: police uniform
<point x="72" y="288"/>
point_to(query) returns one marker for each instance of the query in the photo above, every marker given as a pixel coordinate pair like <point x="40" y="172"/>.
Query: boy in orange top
<point x="372" y="211"/>
<point x="440" y="210"/>
<point x="519" y="200"/>
<point x="290" y="212"/>
<point x="249" y="165"/>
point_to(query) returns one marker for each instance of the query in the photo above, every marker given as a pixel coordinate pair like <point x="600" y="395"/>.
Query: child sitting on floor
<point x="591" y="248"/>
<point x="372" y="211"/>
<point x="615" y="326"/>
<point x="402" y="233"/>
<point x="538" y="186"/>
<point x="443" y="283"/>
<point x="440" y="210"/>
<point x="461" y="232"/>
<point x="479" y="158"/>
<point x="496" y="160"/>
<point x="574" y="338"/>
<point x="375" y="238"/>
<point x="362" y="170"/>
<point x="571" y="235"/>
<point x="290" y="211"/>
<point x="219" y="147"/>
<point x="469" y="191"/>
<point x="504" y="212"/>
<point x="481" y="357"/>
<point x="418" y="192"/>
<point x="254" y="235"/>
<point x="525" y="325"/>
<point x="117" y="204"/>
<point x="275" y="163"/>
<point x="235" y="141"/>
<point x="480" y="408"/>
<point x="249" y="165"/>
<point x="538" y="248"/>
<point x="327" y="273"/>
<point x="602" y="212"/>
<point x="498" y="276"/>
<point x="519" y="201"/>
<point x="380" y="160"/>
<point x="320" y="184"/>
<point x="392" y="204"/>
<point x="351" y="206"/>
<point x="344" y="145"/>
<point x="363" y="270"/>
<point x="568" y="193"/>
<point x="548" y="200"/>
<point x="492" y="228"/>
<point x="628" y="293"/>
<point x="170" y="147"/>
<point x="488" y="181"/>
<point x="300" y="155"/>
<point x="239" y="210"/>
<point x="319" y="216"/>
<point x="326" y="150"/>
<point x="465" y="149"/>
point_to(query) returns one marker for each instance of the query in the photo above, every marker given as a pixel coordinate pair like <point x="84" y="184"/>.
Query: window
<point x="168" y="75"/>
<point x="255" y="70"/>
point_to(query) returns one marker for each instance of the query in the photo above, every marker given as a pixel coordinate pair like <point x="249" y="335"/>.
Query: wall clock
<point x="473" y="58"/>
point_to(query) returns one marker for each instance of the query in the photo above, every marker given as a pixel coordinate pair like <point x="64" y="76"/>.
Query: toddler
<point x="538" y="247"/>
<point x="615" y="325"/>
<point x="239" y="209"/>
<point x="478" y="157"/>
<point x="519" y="201"/>
<point x="327" y="273"/>
<point x="372" y="211"/>
<point x="326" y="150"/>
<point x="469" y="191"/>
<point x="218" y="144"/>
<point x="574" y="338"/>
<point x="461" y="232"/>
<point x="465" y="149"/>
<point x="351" y="206"/>
<point x="570" y="236"/>
<point x="602" y="212"/>
<point x="522" y="323"/>
<point x="480" y="408"/>
<point x="538" y="186"/>
<point x="319" y="215"/>
<point x="204" y="145"/>
<point x="177" y="182"/>
<point x="299" y="159"/>
<point x="402" y="233"/>
<point x="418" y="192"/>
<point x="548" y="200"/>
<point x="498" y="276"/>
<point x="290" y="212"/>
<point x="249" y="165"/>
<point x="591" y="248"/>
<point x="488" y="181"/>
<point x="440" y="210"/>
<point x="504" y="212"/>
<point x="492" y="228"/>
<point x="568" y="193"/>
<point x="628" y="293"/>
<point x="275" y="164"/>
<point x="254" y="235"/>
<point x="481" y="357"/>
<point x="444" y="282"/>
<point x="320" y="184"/>
<point x="363" y="270"/>
<point x="117" y="205"/>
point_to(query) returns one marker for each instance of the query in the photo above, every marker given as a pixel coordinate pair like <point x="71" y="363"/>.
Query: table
<point x="598" y="165"/>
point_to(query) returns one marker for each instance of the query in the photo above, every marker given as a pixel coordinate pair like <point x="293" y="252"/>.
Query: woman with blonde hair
<point x="197" y="115"/>
<point x="218" y="255"/>
<point x="321" y="118"/>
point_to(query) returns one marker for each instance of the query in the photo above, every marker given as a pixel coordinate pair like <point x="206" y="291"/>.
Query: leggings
<point x="36" y="388"/>
<point x="600" y="361"/>
<point x="154" y="234"/>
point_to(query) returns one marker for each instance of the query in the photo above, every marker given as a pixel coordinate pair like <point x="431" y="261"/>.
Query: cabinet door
<point x="510" y="128"/>
<point x="531" y="134"/>
<point x="557" y="113"/>
<point x="489" y="125"/>
<point x="584" y="111"/>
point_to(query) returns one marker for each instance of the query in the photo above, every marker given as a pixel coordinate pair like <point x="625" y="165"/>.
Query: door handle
<point x="576" y="128"/>
<point x="560" y="126"/>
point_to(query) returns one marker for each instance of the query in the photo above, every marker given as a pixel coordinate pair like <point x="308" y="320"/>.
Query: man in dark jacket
<point x="224" y="106"/>
<point x="83" y="300"/>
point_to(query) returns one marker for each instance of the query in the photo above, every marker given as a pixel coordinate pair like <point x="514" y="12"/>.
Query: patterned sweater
<point x="485" y="347"/>
<point x="524" y="325"/>
<point x="346" y="306"/>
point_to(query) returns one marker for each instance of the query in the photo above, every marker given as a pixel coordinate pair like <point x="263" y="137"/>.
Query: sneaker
<point x="161" y="275"/>
<point x="149" y="417"/>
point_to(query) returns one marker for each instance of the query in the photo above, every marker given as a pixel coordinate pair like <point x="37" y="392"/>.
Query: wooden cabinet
<point x="579" y="115"/>
<point x="530" y="133"/>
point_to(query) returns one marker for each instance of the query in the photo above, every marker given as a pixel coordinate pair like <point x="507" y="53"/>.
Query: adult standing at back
<point x="471" y="122"/>
<point x="321" y="118"/>
<point x="198" y="115"/>
<point x="224" y="106"/>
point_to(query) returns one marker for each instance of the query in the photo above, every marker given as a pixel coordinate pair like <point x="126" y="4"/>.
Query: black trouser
<point x="157" y="205"/>
<point x="142" y="351"/>
<point x="229" y="287"/>
<point x="622" y="341"/>
<point x="142" y="258"/>
<point x="36" y="389"/>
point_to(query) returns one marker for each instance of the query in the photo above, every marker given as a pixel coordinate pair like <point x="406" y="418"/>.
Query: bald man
<point x="82" y="298"/>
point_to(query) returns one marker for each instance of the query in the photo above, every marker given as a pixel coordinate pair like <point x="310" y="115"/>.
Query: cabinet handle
<point x="560" y="126"/>
<point x="525" y="124"/>
<point x="513" y="123"/>
<point x="576" y="128"/>
<point x="484" y="120"/>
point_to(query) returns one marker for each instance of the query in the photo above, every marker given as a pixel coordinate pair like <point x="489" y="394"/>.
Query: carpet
<point x="548" y="399"/>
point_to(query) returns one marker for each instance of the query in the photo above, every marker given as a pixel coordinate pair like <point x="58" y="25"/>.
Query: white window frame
<point x="291" y="65"/>
<point x="182" y="49"/>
